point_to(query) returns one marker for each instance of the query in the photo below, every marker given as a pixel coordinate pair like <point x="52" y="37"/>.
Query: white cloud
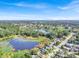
<point x="22" y="4"/>
<point x="38" y="6"/>
<point x="37" y="17"/>
<point x="72" y="5"/>
<point x="22" y="17"/>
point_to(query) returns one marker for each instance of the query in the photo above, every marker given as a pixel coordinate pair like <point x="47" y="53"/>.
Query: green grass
<point x="8" y="37"/>
<point x="39" y="39"/>
<point x="6" y="52"/>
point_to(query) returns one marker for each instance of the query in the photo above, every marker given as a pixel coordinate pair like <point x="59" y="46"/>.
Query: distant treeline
<point x="56" y="22"/>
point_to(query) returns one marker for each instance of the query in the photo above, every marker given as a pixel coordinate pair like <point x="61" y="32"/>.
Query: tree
<point x="34" y="33"/>
<point x="57" y="43"/>
<point x="49" y="35"/>
<point x="34" y="51"/>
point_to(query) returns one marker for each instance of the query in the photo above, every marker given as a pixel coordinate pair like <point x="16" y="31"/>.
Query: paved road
<point x="58" y="47"/>
<point x="65" y="41"/>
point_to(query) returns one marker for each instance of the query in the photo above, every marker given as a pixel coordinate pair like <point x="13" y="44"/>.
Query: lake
<point x="20" y="44"/>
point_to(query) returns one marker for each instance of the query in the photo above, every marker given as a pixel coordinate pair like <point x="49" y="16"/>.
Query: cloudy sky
<point x="39" y="9"/>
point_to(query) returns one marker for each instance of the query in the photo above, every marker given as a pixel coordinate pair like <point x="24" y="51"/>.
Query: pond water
<point x="19" y="44"/>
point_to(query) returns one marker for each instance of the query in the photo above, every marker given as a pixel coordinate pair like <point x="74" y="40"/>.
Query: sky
<point x="39" y="9"/>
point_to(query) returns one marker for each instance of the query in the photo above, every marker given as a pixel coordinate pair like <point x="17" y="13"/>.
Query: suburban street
<point x="65" y="41"/>
<point x="58" y="47"/>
